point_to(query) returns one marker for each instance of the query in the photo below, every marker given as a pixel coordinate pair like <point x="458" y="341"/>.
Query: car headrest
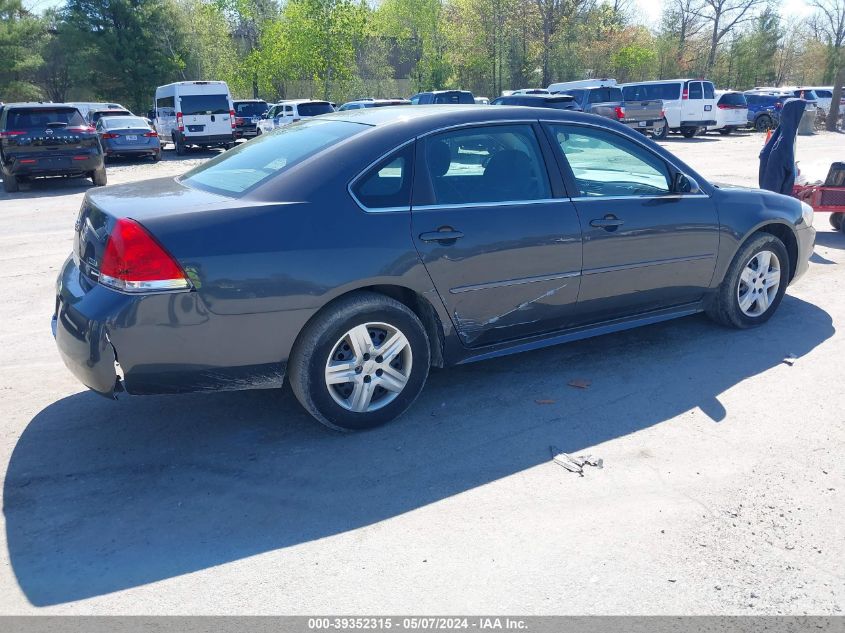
<point x="439" y="158"/>
<point x="508" y="165"/>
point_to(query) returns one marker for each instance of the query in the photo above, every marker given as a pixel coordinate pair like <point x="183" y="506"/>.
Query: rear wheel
<point x="157" y="156"/>
<point x="754" y="285"/>
<point x="98" y="177"/>
<point x="179" y="144"/>
<point x="689" y="132"/>
<point x="763" y="123"/>
<point x="660" y="133"/>
<point x="360" y="363"/>
<point x="835" y="220"/>
<point x="10" y="182"/>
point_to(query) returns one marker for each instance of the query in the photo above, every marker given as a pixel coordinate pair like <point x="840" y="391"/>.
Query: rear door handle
<point x="608" y="222"/>
<point x="442" y="235"/>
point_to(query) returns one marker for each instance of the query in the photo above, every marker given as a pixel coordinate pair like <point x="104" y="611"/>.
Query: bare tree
<point x="831" y="23"/>
<point x="723" y="16"/>
<point x="686" y="21"/>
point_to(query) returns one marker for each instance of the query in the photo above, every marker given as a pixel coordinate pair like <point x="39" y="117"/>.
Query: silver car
<point x="128" y="136"/>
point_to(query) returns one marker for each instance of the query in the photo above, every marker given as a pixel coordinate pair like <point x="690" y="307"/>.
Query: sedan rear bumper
<point x="806" y="242"/>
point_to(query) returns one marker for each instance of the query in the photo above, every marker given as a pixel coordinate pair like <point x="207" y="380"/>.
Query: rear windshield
<point x="109" y="113"/>
<point x="314" y="109"/>
<point x="605" y="94"/>
<point x="124" y="122"/>
<point x="234" y="172"/>
<point x="824" y="94"/>
<point x="454" y="97"/>
<point x="23" y="118"/>
<point x="204" y="104"/>
<point x="733" y="98"/>
<point x="250" y="108"/>
<point x="644" y="92"/>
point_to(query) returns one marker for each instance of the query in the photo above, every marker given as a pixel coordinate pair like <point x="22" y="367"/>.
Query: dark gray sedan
<point x="352" y="252"/>
<point x="128" y="136"/>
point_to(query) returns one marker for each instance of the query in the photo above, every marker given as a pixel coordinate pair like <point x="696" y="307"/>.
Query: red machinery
<point x="828" y="197"/>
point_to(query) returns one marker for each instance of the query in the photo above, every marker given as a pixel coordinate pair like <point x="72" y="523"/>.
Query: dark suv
<point x="247" y="114"/>
<point x="47" y="139"/>
<point x="443" y="96"/>
<point x="764" y="110"/>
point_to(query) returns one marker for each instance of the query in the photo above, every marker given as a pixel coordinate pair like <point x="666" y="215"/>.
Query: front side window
<point x="235" y="172"/>
<point x="486" y="164"/>
<point x="607" y="164"/>
<point x="388" y="184"/>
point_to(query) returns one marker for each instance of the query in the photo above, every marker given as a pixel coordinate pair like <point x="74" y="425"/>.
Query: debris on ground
<point x="575" y="464"/>
<point x="790" y="359"/>
<point x="580" y="383"/>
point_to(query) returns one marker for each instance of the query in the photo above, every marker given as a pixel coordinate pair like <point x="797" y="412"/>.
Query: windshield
<point x="22" y="118"/>
<point x="121" y="122"/>
<point x="251" y="164"/>
<point x="314" y="109"/>
<point x="250" y="108"/>
<point x="204" y="104"/>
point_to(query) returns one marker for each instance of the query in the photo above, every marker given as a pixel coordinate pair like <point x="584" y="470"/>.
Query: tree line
<point x="120" y="50"/>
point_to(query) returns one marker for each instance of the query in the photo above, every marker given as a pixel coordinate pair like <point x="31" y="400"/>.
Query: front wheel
<point x="754" y="285"/>
<point x="660" y="133"/>
<point x="835" y="220"/>
<point x="360" y="363"/>
<point x="763" y="123"/>
<point x="179" y="145"/>
<point x="10" y="182"/>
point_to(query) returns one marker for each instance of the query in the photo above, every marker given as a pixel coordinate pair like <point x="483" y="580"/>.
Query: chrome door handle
<point x="609" y="222"/>
<point x="443" y="235"/>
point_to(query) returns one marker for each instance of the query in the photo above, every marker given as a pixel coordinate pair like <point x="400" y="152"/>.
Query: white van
<point x="291" y="111"/>
<point x="689" y="104"/>
<point x="195" y="113"/>
<point x="583" y="83"/>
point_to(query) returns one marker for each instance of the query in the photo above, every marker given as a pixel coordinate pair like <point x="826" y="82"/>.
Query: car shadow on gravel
<point x="49" y="187"/>
<point x="102" y="496"/>
<point x="831" y="239"/>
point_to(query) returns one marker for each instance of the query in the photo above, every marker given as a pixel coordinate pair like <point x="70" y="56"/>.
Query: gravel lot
<point x="721" y="492"/>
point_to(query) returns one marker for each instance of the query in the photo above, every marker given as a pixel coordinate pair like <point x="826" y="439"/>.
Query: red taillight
<point x="232" y="118"/>
<point x="778" y="105"/>
<point x="81" y="129"/>
<point x="151" y="133"/>
<point x="685" y="94"/>
<point x="81" y="157"/>
<point x="620" y="112"/>
<point x="135" y="262"/>
<point x="179" y="123"/>
<point x="110" y="135"/>
<point x="12" y="133"/>
<point x="663" y="114"/>
<point x="722" y="106"/>
<point x="27" y="161"/>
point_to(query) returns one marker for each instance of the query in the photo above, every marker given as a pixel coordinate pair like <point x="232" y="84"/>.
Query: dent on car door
<point x="503" y="252"/>
<point x="646" y="246"/>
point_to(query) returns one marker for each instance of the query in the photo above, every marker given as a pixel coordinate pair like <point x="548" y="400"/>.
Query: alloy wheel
<point x="368" y="367"/>
<point x="759" y="283"/>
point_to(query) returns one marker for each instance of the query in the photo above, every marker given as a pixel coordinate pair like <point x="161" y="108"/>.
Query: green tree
<point x="21" y="35"/>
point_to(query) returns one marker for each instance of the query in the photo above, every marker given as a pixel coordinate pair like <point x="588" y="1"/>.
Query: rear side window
<point x="203" y="104"/>
<point x="26" y="118"/>
<point x="251" y="164"/>
<point x="825" y="94"/>
<point x="709" y="91"/>
<point x="314" y="109"/>
<point x="388" y="184"/>
<point x="560" y="104"/>
<point x="645" y="92"/>
<point x="166" y="102"/>
<point x="501" y="163"/>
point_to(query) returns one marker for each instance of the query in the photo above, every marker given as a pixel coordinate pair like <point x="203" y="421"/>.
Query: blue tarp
<point x="777" y="159"/>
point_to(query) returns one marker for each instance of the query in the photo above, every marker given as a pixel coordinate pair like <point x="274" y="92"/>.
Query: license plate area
<point x="131" y="137"/>
<point x="196" y="128"/>
<point x="642" y="123"/>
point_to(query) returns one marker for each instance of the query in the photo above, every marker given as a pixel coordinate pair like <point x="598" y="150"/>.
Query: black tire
<point x="725" y="131"/>
<point x="658" y="134"/>
<point x="98" y="177"/>
<point x="723" y="306"/>
<point x="689" y="132"/>
<point x="763" y="123"/>
<point x="157" y="156"/>
<point x="319" y="341"/>
<point x="179" y="145"/>
<point x="835" y="220"/>
<point x="10" y="182"/>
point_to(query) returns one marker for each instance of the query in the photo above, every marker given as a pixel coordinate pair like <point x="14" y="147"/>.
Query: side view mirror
<point x="685" y="184"/>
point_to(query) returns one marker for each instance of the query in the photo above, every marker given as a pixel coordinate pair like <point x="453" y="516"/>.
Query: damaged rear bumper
<point x="154" y="344"/>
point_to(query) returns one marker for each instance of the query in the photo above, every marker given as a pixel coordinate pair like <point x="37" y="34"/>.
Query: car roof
<point x="39" y="104"/>
<point x="248" y="101"/>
